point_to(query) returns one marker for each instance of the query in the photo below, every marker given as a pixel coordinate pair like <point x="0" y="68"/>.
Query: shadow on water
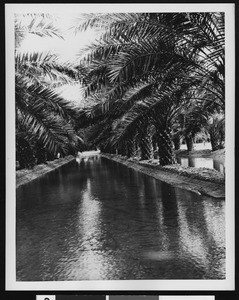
<point x="95" y="219"/>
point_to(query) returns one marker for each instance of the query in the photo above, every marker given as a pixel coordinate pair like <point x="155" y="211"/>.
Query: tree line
<point x="150" y="81"/>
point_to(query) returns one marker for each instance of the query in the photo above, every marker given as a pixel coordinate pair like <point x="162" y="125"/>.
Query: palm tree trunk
<point x="40" y="153"/>
<point x="155" y="146"/>
<point x="146" y="144"/>
<point x="189" y="143"/>
<point x="122" y="150"/>
<point x="50" y="156"/>
<point x="215" y="139"/>
<point x="177" y="142"/>
<point x="130" y="148"/>
<point x="165" y="148"/>
<point x="154" y="141"/>
<point x="107" y="149"/>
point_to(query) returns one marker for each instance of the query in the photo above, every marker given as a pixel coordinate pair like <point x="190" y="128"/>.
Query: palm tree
<point x="179" y="52"/>
<point x="111" y="110"/>
<point x="216" y="130"/>
<point x="190" y="122"/>
<point x="44" y="120"/>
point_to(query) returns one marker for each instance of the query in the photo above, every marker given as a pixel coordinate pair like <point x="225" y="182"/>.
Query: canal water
<point x="96" y="219"/>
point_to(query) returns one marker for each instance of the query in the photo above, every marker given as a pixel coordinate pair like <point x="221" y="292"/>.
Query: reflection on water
<point x="202" y="162"/>
<point x="96" y="219"/>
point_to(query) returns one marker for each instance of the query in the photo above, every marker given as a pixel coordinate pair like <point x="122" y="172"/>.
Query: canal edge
<point x="40" y="170"/>
<point x="198" y="186"/>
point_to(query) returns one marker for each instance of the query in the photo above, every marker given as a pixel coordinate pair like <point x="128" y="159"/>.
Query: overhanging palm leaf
<point x="105" y="106"/>
<point x="44" y="68"/>
<point x="183" y="53"/>
<point x="41" y="113"/>
<point x="38" y="24"/>
<point x="43" y="99"/>
<point x="127" y="26"/>
<point x="163" y="106"/>
<point x="102" y="21"/>
<point x="51" y="130"/>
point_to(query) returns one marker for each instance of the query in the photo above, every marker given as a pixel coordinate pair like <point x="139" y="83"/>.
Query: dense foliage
<point x="44" y="120"/>
<point x="160" y="70"/>
<point x="151" y="81"/>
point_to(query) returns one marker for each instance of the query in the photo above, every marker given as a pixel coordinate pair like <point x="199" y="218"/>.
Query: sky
<point x="67" y="49"/>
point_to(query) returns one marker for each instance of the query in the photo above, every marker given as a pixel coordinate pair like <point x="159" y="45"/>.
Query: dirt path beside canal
<point x="206" y="153"/>
<point x="26" y="175"/>
<point x="201" y="180"/>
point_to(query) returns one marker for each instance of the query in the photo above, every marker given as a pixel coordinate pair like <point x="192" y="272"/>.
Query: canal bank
<point x="27" y="175"/>
<point x="201" y="181"/>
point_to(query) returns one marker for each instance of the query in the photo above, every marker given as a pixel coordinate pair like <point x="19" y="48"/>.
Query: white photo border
<point x="121" y="285"/>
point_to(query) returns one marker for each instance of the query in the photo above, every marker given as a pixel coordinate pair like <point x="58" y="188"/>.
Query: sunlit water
<point x="202" y="162"/>
<point x="96" y="219"/>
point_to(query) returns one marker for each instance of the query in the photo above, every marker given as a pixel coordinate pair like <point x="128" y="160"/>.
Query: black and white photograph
<point x="120" y="138"/>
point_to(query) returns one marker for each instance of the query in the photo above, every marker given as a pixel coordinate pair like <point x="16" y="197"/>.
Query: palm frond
<point x="101" y="49"/>
<point x="52" y="131"/>
<point x="149" y="57"/>
<point x="44" y="67"/>
<point x="101" y="20"/>
<point x="43" y="98"/>
<point x="38" y="24"/>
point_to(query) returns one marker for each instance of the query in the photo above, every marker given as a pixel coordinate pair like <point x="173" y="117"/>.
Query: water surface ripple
<point x="96" y="219"/>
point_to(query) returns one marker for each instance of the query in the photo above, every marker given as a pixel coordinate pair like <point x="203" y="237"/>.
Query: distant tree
<point x="216" y="130"/>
